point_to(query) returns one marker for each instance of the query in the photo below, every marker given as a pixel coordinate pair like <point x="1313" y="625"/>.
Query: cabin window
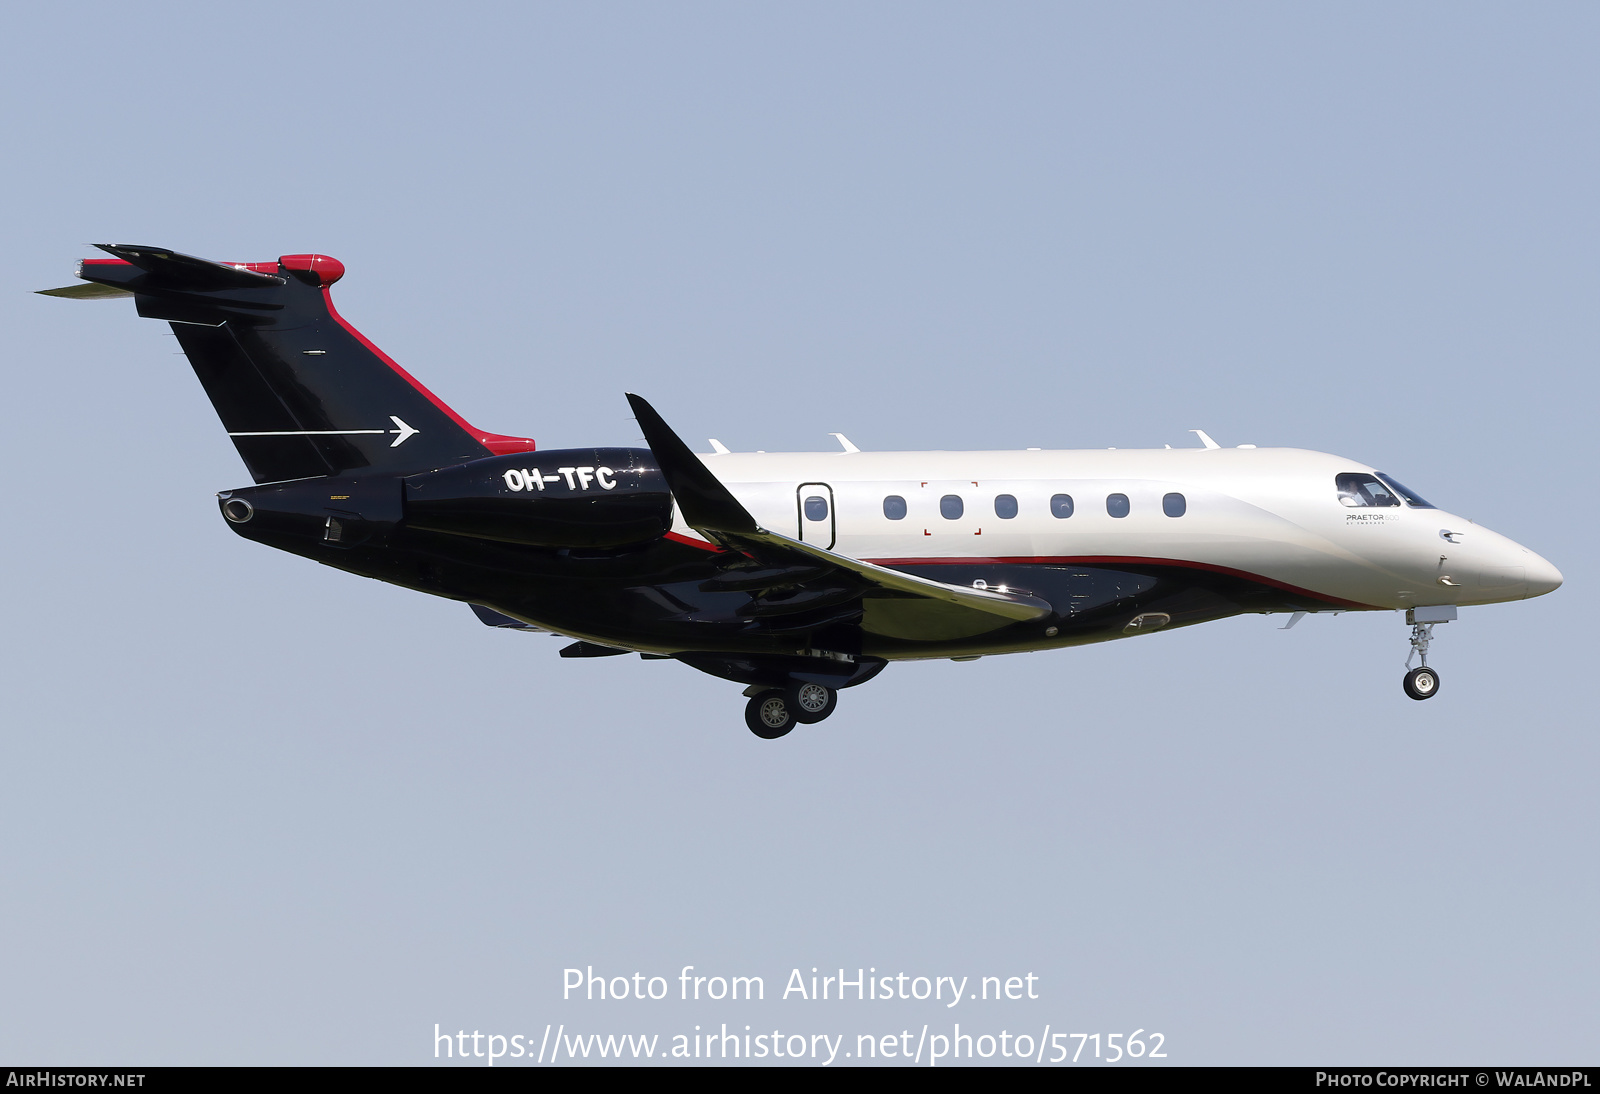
<point x="1363" y="491"/>
<point x="951" y="507"/>
<point x="1174" y="505"/>
<point x="1412" y="497"/>
<point x="1061" y="506"/>
<point x="1117" y="504"/>
<point x="894" y="507"/>
<point x="1005" y="506"/>
<point x="816" y="508"/>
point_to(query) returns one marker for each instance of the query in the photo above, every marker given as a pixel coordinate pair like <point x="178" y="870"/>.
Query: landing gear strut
<point x="1423" y="682"/>
<point x="773" y="712"/>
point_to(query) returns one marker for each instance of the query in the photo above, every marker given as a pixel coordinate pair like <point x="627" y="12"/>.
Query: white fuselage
<point x="1271" y="514"/>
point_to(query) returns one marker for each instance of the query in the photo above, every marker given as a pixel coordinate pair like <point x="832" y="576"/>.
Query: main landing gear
<point x="1423" y="682"/>
<point x="772" y="712"/>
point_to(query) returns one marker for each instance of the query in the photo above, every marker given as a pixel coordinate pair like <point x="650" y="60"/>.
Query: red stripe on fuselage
<point x="689" y="542"/>
<point x="1119" y="560"/>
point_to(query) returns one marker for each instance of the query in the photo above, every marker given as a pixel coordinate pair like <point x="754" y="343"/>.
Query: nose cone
<point x="1542" y="577"/>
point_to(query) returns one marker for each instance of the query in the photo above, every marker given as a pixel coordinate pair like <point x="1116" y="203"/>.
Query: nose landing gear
<point x="1423" y="682"/>
<point x="773" y="712"/>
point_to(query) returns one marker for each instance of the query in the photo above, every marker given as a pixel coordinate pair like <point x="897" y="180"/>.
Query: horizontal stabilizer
<point x="87" y="291"/>
<point x="180" y="271"/>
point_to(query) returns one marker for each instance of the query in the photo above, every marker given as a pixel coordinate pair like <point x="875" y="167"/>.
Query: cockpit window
<point x="1362" y="491"/>
<point x="1410" y="495"/>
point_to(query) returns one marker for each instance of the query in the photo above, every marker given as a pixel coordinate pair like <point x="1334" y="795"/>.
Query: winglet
<point x="705" y="503"/>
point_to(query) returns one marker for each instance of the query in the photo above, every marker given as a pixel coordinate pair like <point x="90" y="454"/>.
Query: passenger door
<point x="817" y="520"/>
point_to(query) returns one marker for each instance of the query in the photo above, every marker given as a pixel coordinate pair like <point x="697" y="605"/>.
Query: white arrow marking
<point x="309" y="432"/>
<point x="405" y="432"/>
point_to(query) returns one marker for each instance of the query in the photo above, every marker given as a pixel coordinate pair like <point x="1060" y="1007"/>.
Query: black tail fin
<point x="300" y="391"/>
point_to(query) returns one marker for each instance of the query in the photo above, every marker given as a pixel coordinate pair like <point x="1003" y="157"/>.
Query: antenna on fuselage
<point x="1205" y="438"/>
<point x="844" y="442"/>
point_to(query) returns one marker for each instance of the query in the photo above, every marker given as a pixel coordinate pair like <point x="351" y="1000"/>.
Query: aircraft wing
<point x="1007" y="607"/>
<point x="895" y="604"/>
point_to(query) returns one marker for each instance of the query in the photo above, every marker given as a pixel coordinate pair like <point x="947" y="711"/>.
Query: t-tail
<point x="301" y="392"/>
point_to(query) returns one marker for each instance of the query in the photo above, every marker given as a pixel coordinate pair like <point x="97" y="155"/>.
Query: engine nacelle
<point x="583" y="497"/>
<point x="575" y="497"/>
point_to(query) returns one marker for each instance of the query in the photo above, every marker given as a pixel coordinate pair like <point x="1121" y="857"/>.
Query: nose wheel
<point x="774" y="712"/>
<point x="1422" y="683"/>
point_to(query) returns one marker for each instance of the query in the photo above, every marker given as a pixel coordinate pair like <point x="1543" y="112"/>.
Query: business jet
<point x="797" y="574"/>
